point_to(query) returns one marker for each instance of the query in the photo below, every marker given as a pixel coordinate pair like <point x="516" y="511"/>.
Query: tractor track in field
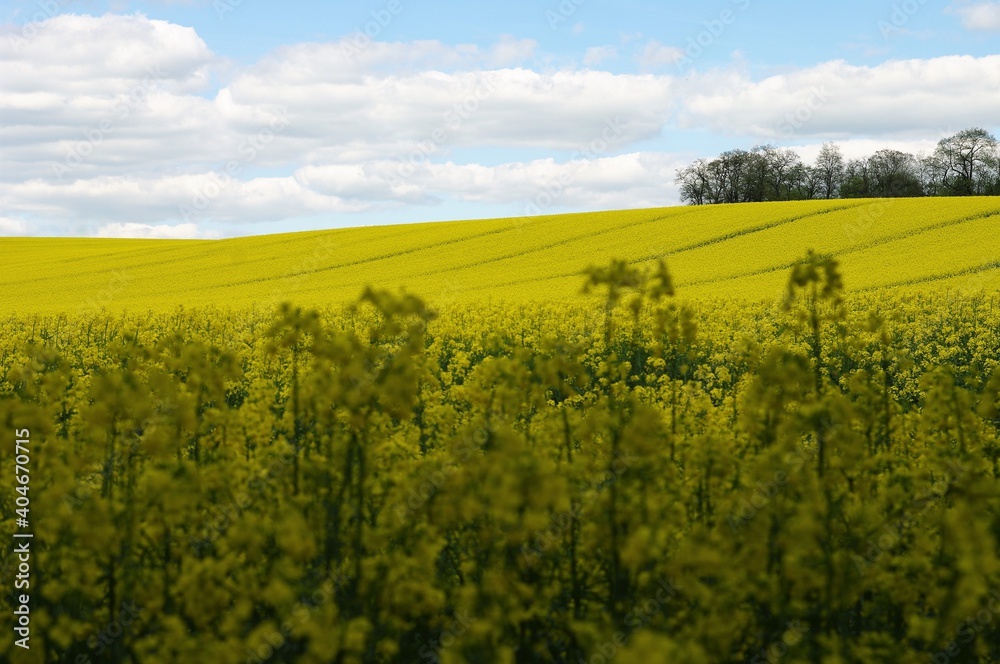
<point x="896" y="237"/>
<point x="695" y="245"/>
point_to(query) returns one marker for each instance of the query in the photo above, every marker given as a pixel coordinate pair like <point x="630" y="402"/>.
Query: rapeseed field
<point x="737" y="433"/>
<point x="724" y="250"/>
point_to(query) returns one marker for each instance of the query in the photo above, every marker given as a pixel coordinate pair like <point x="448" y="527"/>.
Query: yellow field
<point x="729" y="250"/>
<point x="765" y="471"/>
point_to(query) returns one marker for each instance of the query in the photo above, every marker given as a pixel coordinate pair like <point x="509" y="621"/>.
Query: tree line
<point x="966" y="164"/>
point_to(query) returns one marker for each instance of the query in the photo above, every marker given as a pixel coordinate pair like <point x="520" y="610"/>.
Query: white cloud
<point x="13" y="226"/>
<point x="90" y="148"/>
<point x="978" y="16"/>
<point x="861" y="148"/>
<point x="896" y="99"/>
<point x="511" y="51"/>
<point x="95" y="57"/>
<point x="628" y="180"/>
<point x="379" y="103"/>
<point x="390" y="125"/>
<point x="621" y="181"/>
<point x="158" y="231"/>
<point x="508" y="107"/>
<point x="190" y="198"/>
<point x="595" y="55"/>
<point x="655" y="55"/>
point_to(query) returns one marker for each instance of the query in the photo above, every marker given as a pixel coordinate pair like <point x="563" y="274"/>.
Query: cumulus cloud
<point x="93" y="57"/>
<point x="129" y="133"/>
<point x="983" y="16"/>
<point x="146" y="131"/>
<point x="509" y="107"/>
<point x="861" y="148"/>
<point x="94" y="92"/>
<point x="511" y="51"/>
<point x="899" y="98"/>
<point x="628" y="180"/>
<point x="192" y="198"/>
<point x="619" y="181"/>
<point x="341" y="104"/>
<point x="595" y="55"/>
<point x="655" y="55"/>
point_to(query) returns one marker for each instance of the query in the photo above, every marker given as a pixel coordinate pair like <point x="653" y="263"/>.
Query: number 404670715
<point x="21" y="460"/>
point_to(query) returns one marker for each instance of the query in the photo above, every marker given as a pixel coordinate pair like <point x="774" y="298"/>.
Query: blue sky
<point x="220" y="118"/>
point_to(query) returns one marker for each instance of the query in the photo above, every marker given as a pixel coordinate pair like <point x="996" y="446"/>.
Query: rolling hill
<point x="740" y="250"/>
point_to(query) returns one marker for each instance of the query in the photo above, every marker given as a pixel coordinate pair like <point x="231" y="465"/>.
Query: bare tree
<point x="731" y="172"/>
<point x="857" y="182"/>
<point x="887" y="173"/>
<point x="830" y="169"/>
<point x="786" y="173"/>
<point x="964" y="164"/>
<point x="895" y="174"/>
<point x="696" y="186"/>
<point x="813" y="184"/>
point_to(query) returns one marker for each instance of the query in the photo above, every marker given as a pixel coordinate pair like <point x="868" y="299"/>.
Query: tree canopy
<point x="966" y="164"/>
